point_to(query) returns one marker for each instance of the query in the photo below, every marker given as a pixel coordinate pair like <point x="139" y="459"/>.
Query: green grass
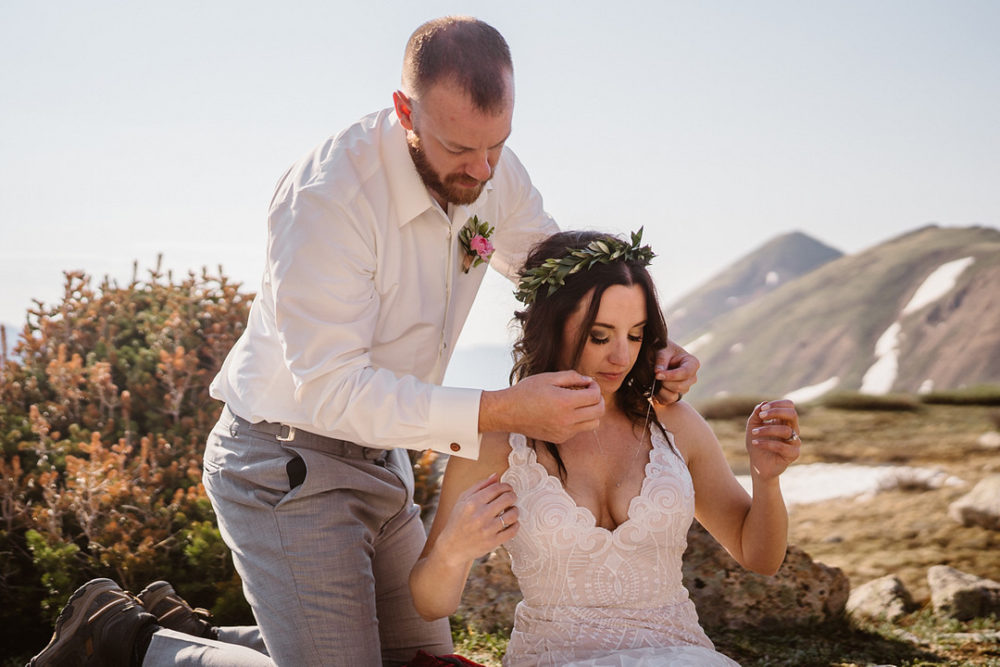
<point x="484" y="647"/>
<point x="916" y="640"/>
<point x="729" y="407"/>
<point x="877" y="403"/>
<point x="987" y="394"/>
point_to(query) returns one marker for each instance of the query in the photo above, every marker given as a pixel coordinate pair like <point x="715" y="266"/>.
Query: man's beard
<point x="448" y="189"/>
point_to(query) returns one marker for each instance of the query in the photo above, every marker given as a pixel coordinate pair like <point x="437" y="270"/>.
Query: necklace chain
<point x="642" y="438"/>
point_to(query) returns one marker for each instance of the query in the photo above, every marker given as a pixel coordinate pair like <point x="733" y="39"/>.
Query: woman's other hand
<point x="483" y="518"/>
<point x="772" y="438"/>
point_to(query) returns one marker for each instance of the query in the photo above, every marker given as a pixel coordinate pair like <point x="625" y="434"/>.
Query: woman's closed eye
<point x="601" y="340"/>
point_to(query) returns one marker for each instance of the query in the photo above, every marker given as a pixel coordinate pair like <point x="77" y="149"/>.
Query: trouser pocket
<point x="296" y="469"/>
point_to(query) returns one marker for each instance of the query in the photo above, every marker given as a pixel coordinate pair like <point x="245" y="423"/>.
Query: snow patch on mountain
<point x="813" y="391"/>
<point x="880" y="377"/>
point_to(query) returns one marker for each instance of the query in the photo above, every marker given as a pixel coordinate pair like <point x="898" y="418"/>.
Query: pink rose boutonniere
<point x="475" y="240"/>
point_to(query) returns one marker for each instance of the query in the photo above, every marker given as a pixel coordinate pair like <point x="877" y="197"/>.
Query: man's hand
<point x="548" y="406"/>
<point x="677" y="372"/>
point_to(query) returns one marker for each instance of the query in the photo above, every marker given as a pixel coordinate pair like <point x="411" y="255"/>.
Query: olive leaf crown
<point x="554" y="270"/>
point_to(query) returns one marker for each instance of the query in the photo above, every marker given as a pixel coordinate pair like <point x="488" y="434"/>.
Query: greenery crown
<point x="553" y="271"/>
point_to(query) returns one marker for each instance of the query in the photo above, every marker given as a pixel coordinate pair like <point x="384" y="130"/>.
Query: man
<point x="372" y="267"/>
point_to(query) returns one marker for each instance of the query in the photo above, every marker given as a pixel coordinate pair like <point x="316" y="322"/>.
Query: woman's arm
<point x="467" y="525"/>
<point x="753" y="530"/>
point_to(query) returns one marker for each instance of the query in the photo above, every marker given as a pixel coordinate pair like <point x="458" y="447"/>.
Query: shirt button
<point x="455" y="446"/>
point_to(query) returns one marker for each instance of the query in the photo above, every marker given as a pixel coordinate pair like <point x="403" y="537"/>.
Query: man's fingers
<point x="590" y="412"/>
<point x="571" y="380"/>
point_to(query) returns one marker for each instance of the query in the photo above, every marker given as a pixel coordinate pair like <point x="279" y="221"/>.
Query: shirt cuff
<point x="454" y="421"/>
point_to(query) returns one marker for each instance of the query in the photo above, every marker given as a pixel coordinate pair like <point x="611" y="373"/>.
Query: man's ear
<point x="404" y="109"/>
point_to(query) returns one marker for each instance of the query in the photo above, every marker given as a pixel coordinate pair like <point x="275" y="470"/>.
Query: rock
<point x="803" y="592"/>
<point x="726" y="595"/>
<point x="885" y="597"/>
<point x="961" y="595"/>
<point x="491" y="593"/>
<point x="979" y="507"/>
<point x="990" y="440"/>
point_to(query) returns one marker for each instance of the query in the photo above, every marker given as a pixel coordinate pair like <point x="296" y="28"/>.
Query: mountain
<point x="918" y="312"/>
<point x="774" y="264"/>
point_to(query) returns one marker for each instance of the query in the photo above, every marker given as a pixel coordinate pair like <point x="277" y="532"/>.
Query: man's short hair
<point x="470" y="52"/>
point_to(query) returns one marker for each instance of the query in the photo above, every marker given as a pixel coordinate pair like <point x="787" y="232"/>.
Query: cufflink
<point x="455" y="446"/>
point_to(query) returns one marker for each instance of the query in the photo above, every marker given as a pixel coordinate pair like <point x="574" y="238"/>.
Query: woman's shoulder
<point x="687" y="425"/>
<point x="494" y="451"/>
<point x="679" y="416"/>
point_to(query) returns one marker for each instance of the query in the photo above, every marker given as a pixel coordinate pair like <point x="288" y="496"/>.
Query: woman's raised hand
<point x="772" y="439"/>
<point x="483" y="518"/>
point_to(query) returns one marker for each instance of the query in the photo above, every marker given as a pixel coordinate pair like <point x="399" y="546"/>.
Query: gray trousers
<point x="326" y="564"/>
<point x="237" y="645"/>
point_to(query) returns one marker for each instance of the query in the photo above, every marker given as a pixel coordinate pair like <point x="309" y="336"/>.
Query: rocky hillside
<point x="779" y="261"/>
<point x="917" y="313"/>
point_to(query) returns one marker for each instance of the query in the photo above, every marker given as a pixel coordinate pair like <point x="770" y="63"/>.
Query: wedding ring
<point x="500" y="516"/>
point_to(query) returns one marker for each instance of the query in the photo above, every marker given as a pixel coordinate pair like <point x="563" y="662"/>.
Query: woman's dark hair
<point x="538" y="348"/>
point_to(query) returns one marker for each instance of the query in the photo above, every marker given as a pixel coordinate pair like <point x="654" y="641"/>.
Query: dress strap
<point x="520" y="453"/>
<point x="518" y="442"/>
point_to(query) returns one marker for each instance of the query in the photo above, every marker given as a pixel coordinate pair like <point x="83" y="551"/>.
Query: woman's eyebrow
<point x="611" y="326"/>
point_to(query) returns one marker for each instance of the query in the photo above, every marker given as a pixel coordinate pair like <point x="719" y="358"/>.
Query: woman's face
<point x="612" y="344"/>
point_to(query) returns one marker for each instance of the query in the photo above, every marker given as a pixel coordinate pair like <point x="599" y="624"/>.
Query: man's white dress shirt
<point x="363" y="296"/>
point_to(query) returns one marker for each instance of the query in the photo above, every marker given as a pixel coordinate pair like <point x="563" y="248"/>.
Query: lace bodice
<point x="593" y="594"/>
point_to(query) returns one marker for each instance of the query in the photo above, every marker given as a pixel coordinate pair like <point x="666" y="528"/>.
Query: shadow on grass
<point x="832" y="643"/>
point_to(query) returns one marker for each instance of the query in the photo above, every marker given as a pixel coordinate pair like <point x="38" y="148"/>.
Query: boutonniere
<point x="475" y="240"/>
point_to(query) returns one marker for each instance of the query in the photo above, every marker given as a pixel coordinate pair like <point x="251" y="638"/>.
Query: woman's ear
<point x="404" y="109"/>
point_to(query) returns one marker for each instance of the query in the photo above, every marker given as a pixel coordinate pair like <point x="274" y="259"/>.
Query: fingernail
<point x="755" y="431"/>
<point x="763" y="413"/>
<point x="755" y="442"/>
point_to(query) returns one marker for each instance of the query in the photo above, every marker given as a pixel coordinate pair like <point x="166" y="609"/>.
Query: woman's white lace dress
<point x="594" y="597"/>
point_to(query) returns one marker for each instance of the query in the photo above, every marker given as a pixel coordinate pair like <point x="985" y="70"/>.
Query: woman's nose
<point x="619" y="353"/>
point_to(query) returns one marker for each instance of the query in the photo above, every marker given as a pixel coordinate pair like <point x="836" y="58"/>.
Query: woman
<point x="596" y="526"/>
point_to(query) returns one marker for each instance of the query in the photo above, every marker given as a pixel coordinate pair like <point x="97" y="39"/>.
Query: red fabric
<point x="424" y="659"/>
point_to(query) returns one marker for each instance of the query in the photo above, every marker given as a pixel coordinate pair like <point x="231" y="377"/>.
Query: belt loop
<point x="286" y="436"/>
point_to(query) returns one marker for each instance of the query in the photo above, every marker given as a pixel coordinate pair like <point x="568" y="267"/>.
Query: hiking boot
<point x="172" y="611"/>
<point x="98" y="626"/>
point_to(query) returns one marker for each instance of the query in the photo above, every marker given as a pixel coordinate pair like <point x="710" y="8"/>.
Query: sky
<point x="133" y="129"/>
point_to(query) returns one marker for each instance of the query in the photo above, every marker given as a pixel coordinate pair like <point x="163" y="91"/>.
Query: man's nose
<point x="480" y="168"/>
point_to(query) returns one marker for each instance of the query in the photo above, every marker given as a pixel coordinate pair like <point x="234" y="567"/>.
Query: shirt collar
<point x="405" y="186"/>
